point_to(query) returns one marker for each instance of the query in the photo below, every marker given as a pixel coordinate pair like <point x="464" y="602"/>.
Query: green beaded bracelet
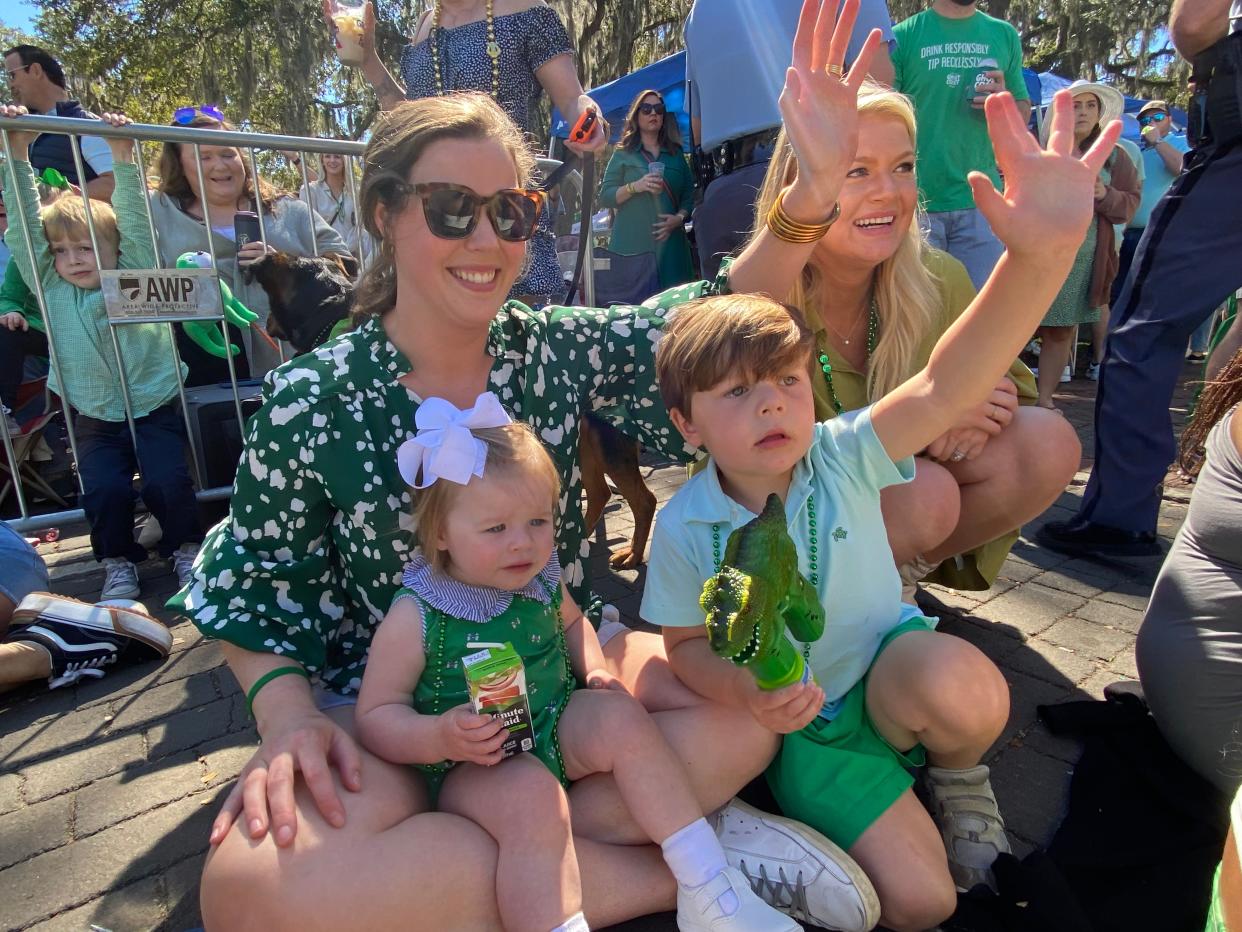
<point x="267" y="678"/>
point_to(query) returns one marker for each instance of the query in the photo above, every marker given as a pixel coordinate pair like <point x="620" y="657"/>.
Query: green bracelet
<point x="267" y="678"/>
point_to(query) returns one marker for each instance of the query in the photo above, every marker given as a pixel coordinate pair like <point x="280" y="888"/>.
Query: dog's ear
<point x="349" y="266"/>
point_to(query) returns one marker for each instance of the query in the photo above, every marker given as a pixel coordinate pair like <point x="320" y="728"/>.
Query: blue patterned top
<point x="527" y="40"/>
<point x="468" y="602"/>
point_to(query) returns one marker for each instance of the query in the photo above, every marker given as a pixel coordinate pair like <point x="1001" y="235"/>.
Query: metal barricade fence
<point x="195" y="137"/>
<point x="30" y="227"/>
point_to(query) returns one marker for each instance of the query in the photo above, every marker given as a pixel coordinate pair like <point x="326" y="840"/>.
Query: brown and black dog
<point x="309" y="295"/>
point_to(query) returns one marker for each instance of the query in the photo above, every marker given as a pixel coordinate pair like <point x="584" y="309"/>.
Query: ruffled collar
<point x="475" y="603"/>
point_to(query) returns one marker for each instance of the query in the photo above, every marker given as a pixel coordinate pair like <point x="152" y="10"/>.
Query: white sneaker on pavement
<point x="964" y="808"/>
<point x="796" y="869"/>
<point x="698" y="908"/>
<point x="120" y="579"/>
<point x="183" y="563"/>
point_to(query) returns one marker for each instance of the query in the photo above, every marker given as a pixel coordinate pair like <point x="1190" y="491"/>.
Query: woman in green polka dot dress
<point x="298" y="576"/>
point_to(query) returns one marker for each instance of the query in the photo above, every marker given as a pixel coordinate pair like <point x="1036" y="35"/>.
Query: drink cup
<point x="982" y="85"/>
<point x="348" y="26"/>
<point x="656" y="168"/>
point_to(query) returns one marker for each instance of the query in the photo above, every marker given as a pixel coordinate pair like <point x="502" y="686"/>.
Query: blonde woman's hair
<point x="906" y="293"/>
<point x="65" y="219"/>
<point x="398" y="141"/>
<point x="710" y="339"/>
<point x="513" y="452"/>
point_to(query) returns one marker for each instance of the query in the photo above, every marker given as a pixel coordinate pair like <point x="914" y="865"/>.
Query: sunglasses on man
<point x="452" y="210"/>
<point x="1148" y="118"/>
<point x="648" y="109"/>
<point x="184" y="116"/>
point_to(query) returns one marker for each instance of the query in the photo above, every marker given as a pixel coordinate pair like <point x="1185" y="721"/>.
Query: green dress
<point x="631" y="226"/>
<point x="456" y="615"/>
<point x="320" y="527"/>
<point x="1072" y="305"/>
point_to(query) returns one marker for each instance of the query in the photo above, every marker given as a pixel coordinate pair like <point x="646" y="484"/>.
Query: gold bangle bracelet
<point x="789" y="230"/>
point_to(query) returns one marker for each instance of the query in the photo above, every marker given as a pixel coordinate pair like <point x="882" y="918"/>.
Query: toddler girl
<point x="487" y="573"/>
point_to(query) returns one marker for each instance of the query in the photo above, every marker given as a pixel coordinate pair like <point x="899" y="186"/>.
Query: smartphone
<point x="246" y="227"/>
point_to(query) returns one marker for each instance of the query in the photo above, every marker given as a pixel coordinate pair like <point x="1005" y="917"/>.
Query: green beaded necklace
<point x="813" y="547"/>
<point x="873" y="333"/>
<point x="560" y="709"/>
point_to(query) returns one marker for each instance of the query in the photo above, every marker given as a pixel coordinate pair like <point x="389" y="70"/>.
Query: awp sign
<point x="136" y="295"/>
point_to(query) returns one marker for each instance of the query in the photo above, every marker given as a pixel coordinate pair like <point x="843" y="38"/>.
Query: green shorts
<point x="839" y="776"/>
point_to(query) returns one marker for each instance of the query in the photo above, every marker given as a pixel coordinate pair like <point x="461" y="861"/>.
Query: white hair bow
<point x="444" y="448"/>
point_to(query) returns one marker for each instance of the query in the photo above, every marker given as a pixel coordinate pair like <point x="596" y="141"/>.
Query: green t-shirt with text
<point x="936" y="62"/>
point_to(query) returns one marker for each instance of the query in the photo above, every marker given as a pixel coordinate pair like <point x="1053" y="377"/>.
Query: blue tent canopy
<point x="668" y="76"/>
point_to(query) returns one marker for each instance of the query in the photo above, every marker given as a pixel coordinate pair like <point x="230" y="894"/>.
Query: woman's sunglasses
<point x="648" y="109"/>
<point x="184" y="116"/>
<point x="452" y="210"/>
<point x="1152" y="118"/>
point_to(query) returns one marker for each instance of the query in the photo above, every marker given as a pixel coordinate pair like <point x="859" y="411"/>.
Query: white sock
<point x="575" y="923"/>
<point x="694" y="856"/>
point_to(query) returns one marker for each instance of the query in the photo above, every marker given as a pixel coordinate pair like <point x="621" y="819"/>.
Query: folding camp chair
<point x="23" y="445"/>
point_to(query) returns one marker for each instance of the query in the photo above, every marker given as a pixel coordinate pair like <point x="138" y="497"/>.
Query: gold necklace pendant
<point x="493" y="50"/>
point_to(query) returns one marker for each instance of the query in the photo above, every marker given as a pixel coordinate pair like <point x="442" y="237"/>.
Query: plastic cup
<point x="348" y="21"/>
<point x="656" y="168"/>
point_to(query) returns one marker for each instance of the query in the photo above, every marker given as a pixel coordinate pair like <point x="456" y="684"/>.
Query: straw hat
<point x="1112" y="103"/>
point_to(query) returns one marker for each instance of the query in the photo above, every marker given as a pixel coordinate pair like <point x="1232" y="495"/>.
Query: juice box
<point x="497" y="682"/>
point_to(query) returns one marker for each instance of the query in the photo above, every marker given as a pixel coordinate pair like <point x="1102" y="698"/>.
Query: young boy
<point x="61" y="257"/>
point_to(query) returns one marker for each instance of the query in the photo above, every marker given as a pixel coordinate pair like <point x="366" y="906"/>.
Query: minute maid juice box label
<point x="497" y="682"/>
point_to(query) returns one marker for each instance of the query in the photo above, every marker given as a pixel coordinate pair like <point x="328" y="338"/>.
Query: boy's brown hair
<point x="707" y="340"/>
<point x="512" y="451"/>
<point x="65" y="219"/>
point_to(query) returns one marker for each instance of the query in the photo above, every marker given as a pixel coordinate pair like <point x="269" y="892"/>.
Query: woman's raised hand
<point x="819" y="104"/>
<point x="1049" y="193"/>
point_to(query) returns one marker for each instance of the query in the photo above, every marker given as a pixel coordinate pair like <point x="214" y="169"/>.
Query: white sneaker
<point x="964" y="808"/>
<point x="1093" y="372"/>
<point x="796" y="869"/>
<point x="698" y="908"/>
<point x="120" y="579"/>
<point x="183" y="563"/>
<point x="1067" y="374"/>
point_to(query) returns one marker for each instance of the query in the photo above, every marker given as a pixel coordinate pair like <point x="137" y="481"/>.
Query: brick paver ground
<point x="107" y="789"/>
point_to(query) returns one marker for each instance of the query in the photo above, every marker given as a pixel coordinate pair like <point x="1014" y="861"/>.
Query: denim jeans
<point x="22" y="570"/>
<point x="968" y="238"/>
<point x="106" y="463"/>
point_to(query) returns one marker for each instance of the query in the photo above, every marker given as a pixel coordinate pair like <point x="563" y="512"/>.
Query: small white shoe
<point x="699" y="910"/>
<point x="120" y="579"/>
<point x="797" y="870"/>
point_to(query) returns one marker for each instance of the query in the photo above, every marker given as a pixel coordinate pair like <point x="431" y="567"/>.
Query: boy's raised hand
<point x="20" y="140"/>
<point x="467" y="736"/>
<point x="1049" y="192"/>
<point x="819" y="103"/>
<point x="784" y="710"/>
<point x="122" y="149"/>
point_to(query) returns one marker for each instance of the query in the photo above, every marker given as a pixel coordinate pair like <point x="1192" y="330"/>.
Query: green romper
<point x="456" y="614"/>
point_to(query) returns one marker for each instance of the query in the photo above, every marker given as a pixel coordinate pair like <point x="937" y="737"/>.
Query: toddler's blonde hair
<point x="65" y="219"/>
<point x="513" y="451"/>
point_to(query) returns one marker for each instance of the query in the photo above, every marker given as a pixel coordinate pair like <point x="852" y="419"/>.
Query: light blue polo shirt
<point x="737" y="53"/>
<point x="845" y="469"/>
<point x="1157" y="178"/>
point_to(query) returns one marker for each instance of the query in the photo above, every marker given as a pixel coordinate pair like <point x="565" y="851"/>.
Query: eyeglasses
<point x="1152" y="118"/>
<point x="648" y="109"/>
<point x="184" y="116"/>
<point x="15" y="71"/>
<point x="452" y="210"/>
